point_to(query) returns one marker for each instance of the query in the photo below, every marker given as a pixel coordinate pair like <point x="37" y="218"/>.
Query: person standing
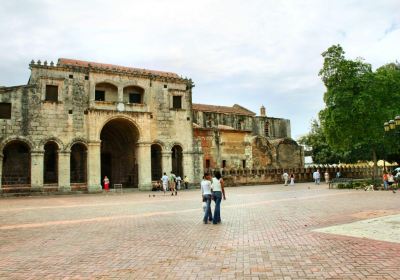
<point x="164" y="180"/>
<point x="326" y="175"/>
<point x="385" y="180"/>
<point x="106" y="182"/>
<point x="391" y="182"/>
<point x="178" y="182"/>
<point x="292" y="179"/>
<point x="205" y="186"/>
<point x="317" y="177"/>
<point x="285" y="177"/>
<point x="217" y="184"/>
<point x="172" y="180"/>
<point x="186" y="181"/>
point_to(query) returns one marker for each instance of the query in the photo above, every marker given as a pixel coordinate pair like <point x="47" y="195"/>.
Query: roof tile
<point x="82" y="63"/>
<point x="236" y="109"/>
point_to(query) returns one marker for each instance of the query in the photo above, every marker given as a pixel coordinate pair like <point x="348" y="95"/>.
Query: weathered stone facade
<point x="77" y="121"/>
<point x="235" y="138"/>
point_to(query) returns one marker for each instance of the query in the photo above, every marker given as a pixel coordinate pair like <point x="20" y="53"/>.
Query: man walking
<point x="164" y="180"/>
<point x="285" y="177"/>
<point x="317" y="177"/>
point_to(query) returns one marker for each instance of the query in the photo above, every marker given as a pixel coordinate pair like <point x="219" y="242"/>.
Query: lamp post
<point x="392" y="129"/>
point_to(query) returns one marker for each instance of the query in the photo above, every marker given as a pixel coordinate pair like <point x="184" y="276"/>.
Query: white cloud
<point x="248" y="52"/>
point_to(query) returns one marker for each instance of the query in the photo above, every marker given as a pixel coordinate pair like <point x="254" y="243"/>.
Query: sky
<point x="252" y="53"/>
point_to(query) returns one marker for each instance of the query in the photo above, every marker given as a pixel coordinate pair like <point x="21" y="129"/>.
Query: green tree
<point x="358" y="102"/>
<point x="320" y="150"/>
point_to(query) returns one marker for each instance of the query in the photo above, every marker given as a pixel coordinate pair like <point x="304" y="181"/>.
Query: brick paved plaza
<point x="267" y="232"/>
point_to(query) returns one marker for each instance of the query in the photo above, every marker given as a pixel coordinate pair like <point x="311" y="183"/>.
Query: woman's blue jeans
<point x="217" y="211"/>
<point x="207" y="213"/>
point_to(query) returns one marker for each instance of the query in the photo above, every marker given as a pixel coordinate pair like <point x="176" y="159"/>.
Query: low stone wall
<point x="238" y="177"/>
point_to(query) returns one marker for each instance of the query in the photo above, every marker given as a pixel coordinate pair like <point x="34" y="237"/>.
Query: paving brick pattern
<point x="266" y="233"/>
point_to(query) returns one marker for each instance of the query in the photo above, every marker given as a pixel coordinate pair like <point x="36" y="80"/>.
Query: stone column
<point x="166" y="162"/>
<point x="144" y="163"/>
<point x="37" y="158"/>
<point x="94" y="167"/>
<point x="92" y="90"/>
<point x="120" y="94"/>
<point x="188" y="166"/>
<point x="1" y="171"/>
<point x="64" y="171"/>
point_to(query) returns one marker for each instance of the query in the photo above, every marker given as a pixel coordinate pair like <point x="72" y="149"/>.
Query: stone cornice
<point x="113" y="71"/>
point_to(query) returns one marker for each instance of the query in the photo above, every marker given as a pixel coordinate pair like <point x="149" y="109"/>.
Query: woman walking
<point x="292" y="179"/>
<point x="206" y="197"/>
<point x="217" y="185"/>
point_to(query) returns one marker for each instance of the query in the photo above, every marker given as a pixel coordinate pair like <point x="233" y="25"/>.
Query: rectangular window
<point x="207" y="163"/>
<point x="51" y="93"/>
<point x="135" y="98"/>
<point x="99" y="95"/>
<point x="177" y="102"/>
<point x="244" y="163"/>
<point x="5" y="110"/>
<point x="223" y="163"/>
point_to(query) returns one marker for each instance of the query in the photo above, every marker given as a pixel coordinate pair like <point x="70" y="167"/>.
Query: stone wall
<point x="240" y="149"/>
<point x="77" y="117"/>
<point x="239" y="177"/>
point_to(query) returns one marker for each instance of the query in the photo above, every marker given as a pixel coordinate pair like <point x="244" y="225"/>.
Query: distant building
<point x="235" y="138"/>
<point x="77" y="121"/>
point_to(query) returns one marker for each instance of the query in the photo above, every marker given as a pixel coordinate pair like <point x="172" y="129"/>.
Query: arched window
<point x="134" y="95"/>
<point x="106" y="92"/>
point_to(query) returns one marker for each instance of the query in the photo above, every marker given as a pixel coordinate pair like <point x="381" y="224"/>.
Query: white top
<point x="216" y="185"/>
<point x="285" y="176"/>
<point x="205" y="187"/>
<point x="165" y="179"/>
<point x="316" y="175"/>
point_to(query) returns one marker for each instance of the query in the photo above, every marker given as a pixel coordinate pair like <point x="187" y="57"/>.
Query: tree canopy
<point x="358" y="101"/>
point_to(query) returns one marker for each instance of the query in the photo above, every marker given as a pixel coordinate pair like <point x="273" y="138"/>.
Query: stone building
<point x="235" y="138"/>
<point x="75" y="122"/>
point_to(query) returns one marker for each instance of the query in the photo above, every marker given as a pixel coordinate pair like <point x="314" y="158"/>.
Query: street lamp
<point x="392" y="125"/>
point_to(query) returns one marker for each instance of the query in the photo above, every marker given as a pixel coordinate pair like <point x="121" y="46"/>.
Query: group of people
<point x="317" y="176"/>
<point x="212" y="189"/>
<point x="173" y="183"/>
<point x="286" y="177"/>
<point x="389" y="180"/>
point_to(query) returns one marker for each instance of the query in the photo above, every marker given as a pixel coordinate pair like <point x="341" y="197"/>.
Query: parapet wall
<point x="238" y="177"/>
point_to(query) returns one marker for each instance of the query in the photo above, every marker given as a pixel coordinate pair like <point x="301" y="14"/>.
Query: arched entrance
<point x="156" y="162"/>
<point x="16" y="164"/>
<point x="50" y="164"/>
<point x="118" y="152"/>
<point x="78" y="164"/>
<point x="177" y="167"/>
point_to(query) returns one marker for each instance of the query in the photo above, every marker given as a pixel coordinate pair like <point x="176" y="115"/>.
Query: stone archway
<point x="50" y="163"/>
<point x="156" y="162"/>
<point x="118" y="152"/>
<point x="16" y="164"/>
<point x="177" y="160"/>
<point x="78" y="164"/>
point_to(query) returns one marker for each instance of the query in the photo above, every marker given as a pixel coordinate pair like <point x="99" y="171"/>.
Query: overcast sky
<point x="252" y="53"/>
